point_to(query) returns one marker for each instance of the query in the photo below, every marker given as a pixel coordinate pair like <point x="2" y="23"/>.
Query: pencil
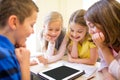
<point x="91" y="78"/>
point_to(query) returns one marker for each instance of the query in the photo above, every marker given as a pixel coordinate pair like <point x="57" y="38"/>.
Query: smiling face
<point x="77" y="32"/>
<point x="24" y="30"/>
<point x="53" y="29"/>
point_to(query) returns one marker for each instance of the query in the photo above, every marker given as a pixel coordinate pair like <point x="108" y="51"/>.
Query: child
<point x="80" y="47"/>
<point x="17" y="18"/>
<point x="103" y="20"/>
<point x="51" y="36"/>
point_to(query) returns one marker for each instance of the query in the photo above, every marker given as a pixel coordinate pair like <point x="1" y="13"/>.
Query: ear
<point x="12" y="21"/>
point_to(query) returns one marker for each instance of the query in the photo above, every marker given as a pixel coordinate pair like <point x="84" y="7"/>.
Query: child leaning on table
<point x="51" y="37"/>
<point x="80" y="47"/>
<point x="103" y="20"/>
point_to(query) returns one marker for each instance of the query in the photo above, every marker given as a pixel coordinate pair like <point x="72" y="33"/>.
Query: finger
<point x="102" y="36"/>
<point x="17" y="51"/>
<point x="96" y="37"/>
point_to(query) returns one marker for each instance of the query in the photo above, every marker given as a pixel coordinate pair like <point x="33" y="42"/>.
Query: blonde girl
<point x="51" y="36"/>
<point x="80" y="47"/>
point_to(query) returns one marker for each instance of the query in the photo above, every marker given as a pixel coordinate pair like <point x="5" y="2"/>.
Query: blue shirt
<point x="9" y="66"/>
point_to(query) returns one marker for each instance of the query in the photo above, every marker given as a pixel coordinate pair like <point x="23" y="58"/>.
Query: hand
<point x="70" y="59"/>
<point x="98" y="39"/>
<point x="33" y="62"/>
<point x="47" y="37"/>
<point x="42" y="60"/>
<point x="23" y="56"/>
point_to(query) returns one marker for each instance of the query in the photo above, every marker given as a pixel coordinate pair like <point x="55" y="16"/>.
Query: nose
<point x="53" y="33"/>
<point x="74" y="34"/>
<point x="91" y="31"/>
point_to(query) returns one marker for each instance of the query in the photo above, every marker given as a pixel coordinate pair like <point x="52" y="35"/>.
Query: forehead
<point x="55" y="24"/>
<point x="76" y="26"/>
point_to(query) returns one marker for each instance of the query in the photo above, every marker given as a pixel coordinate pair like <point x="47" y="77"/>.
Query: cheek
<point x="71" y="33"/>
<point x="58" y="33"/>
<point x="28" y="31"/>
<point x="83" y="34"/>
<point x="48" y="32"/>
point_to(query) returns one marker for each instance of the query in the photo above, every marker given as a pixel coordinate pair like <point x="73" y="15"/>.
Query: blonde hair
<point x="51" y="17"/>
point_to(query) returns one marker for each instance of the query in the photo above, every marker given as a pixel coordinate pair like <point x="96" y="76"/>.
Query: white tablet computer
<point x="62" y="72"/>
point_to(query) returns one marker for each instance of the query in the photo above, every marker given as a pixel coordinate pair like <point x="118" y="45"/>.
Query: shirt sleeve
<point x="102" y="61"/>
<point x="50" y="50"/>
<point x="114" y="68"/>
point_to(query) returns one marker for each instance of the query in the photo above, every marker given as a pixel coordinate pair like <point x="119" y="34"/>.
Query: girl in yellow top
<point x="80" y="47"/>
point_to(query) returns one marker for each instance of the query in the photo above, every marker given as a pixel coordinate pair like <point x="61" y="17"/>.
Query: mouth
<point x="75" y="37"/>
<point x="53" y="36"/>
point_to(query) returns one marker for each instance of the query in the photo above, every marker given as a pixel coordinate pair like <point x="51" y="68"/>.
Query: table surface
<point x="97" y="75"/>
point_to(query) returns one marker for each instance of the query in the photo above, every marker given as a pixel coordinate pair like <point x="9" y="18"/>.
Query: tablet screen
<point x="59" y="73"/>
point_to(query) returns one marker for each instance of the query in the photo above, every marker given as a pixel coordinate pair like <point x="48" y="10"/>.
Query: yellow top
<point x="84" y="48"/>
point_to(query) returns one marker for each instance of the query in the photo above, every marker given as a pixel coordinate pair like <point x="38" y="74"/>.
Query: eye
<point x="32" y="25"/>
<point x="57" y="29"/>
<point x="91" y="25"/>
<point x="71" y="30"/>
<point x="79" y="31"/>
<point x="50" y="29"/>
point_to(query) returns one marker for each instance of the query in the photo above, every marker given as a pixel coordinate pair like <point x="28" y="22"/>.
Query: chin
<point x="22" y="44"/>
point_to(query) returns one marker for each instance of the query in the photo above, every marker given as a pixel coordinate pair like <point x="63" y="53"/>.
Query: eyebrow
<point x="78" y="29"/>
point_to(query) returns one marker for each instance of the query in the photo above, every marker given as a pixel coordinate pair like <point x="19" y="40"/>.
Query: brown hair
<point x="106" y="14"/>
<point x="78" y="17"/>
<point x="20" y="8"/>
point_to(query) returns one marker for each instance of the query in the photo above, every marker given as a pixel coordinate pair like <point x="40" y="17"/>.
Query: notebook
<point x="62" y="72"/>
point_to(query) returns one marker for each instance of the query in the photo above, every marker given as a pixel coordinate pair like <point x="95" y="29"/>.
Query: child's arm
<point x="60" y="52"/>
<point x="92" y="60"/>
<point x="99" y="38"/>
<point x="74" y="50"/>
<point x="114" y="65"/>
<point x="46" y="58"/>
<point x="23" y="56"/>
<point x="50" y="50"/>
